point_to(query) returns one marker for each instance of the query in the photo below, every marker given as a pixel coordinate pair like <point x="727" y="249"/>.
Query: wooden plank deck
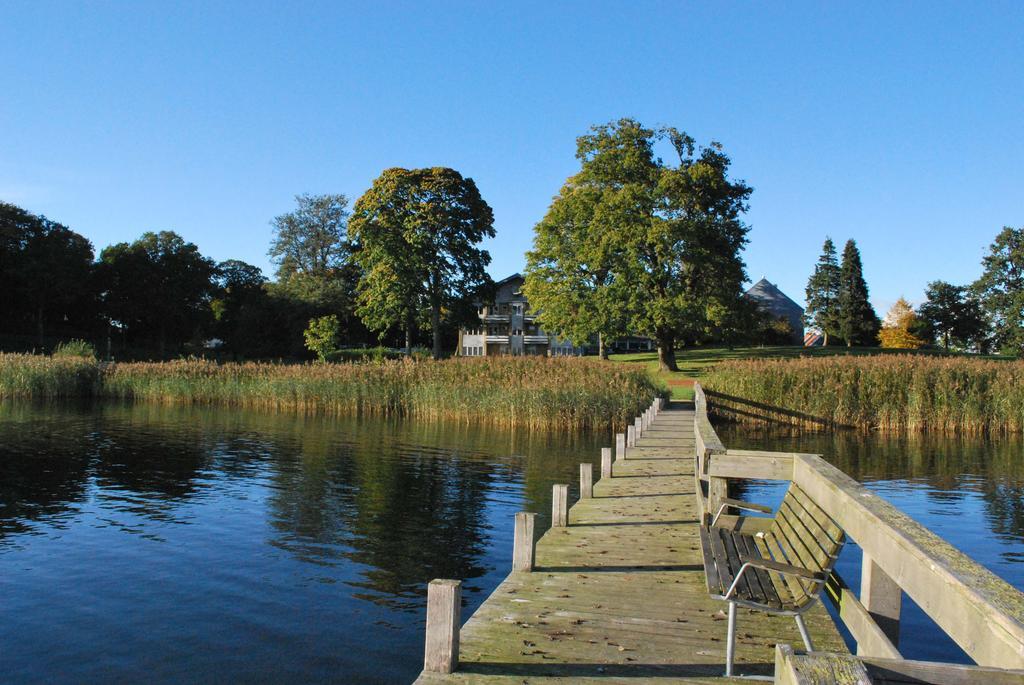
<point x="619" y="595"/>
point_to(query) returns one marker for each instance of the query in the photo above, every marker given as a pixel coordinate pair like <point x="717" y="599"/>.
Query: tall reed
<point x="532" y="392"/>
<point x="885" y="392"/>
<point x="33" y="376"/>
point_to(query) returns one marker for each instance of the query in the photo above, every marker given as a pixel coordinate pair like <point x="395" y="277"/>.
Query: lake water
<point x="155" y="544"/>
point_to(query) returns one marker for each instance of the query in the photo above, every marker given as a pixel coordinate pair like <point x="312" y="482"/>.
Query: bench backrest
<point x="803" y="535"/>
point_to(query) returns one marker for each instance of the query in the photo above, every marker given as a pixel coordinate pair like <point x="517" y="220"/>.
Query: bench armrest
<point x="786" y="569"/>
<point x="750" y="506"/>
<point x="725" y="502"/>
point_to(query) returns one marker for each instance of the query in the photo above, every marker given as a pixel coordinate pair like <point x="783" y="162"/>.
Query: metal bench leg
<point x="730" y="644"/>
<point x="803" y="632"/>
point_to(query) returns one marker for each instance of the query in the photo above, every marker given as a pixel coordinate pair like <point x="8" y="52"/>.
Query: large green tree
<point x="157" y="289"/>
<point x="311" y="239"/>
<point x="570" y="276"/>
<point x="661" y="241"/>
<point x="1001" y="289"/>
<point x="45" y="272"/>
<point x="952" y="315"/>
<point x="416" y="234"/>
<point x="858" y="323"/>
<point x="313" y="257"/>
<point x="822" y="293"/>
<point x="316" y="274"/>
<point x="240" y="308"/>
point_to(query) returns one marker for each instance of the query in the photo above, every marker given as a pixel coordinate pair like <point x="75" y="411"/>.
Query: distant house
<point x="508" y="327"/>
<point x="775" y="303"/>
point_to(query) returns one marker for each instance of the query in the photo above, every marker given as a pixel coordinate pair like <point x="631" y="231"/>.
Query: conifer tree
<point x="858" y="323"/>
<point x="1001" y="290"/>
<point x="823" y="293"/>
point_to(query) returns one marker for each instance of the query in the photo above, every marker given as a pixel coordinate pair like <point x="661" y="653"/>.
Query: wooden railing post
<point x="522" y="542"/>
<point x="638" y="427"/>
<point x="883" y="599"/>
<point x="444" y="604"/>
<point x="630" y="438"/>
<point x="586" y="481"/>
<point x="620" y="446"/>
<point x="606" y="462"/>
<point x="644" y="421"/>
<point x="718" y="488"/>
<point x="559" y="505"/>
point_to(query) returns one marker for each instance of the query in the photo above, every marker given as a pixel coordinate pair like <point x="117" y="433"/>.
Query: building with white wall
<point x="508" y="327"/>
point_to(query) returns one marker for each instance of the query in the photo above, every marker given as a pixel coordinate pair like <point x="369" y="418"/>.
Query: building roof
<point x="769" y="297"/>
<point x="507" y="279"/>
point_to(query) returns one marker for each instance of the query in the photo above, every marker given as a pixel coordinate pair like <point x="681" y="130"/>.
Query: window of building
<point x="517" y="308"/>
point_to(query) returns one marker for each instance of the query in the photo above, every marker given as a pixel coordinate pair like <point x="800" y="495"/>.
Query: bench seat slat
<point x="748" y="547"/>
<point x="780" y="581"/>
<point x="711" y="573"/>
<point x="748" y="587"/>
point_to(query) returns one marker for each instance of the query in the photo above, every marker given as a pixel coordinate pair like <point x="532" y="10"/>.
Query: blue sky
<point x="898" y="124"/>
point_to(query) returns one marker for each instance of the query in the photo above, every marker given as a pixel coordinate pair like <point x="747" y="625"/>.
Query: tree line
<point x="984" y="316"/>
<point x="631" y="245"/>
<point x="405" y="259"/>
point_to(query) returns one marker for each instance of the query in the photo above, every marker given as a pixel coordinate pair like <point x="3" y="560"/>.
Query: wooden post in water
<point x="522" y="542"/>
<point x="630" y="438"/>
<point x="444" y="604"/>
<point x="620" y="446"/>
<point x="883" y="598"/>
<point x="606" y="460"/>
<point x="586" y="481"/>
<point x="559" y="506"/>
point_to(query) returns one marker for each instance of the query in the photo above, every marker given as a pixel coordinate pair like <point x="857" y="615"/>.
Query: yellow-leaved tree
<point x="896" y="327"/>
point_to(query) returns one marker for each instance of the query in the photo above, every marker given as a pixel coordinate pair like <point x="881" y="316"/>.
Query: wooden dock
<point x="619" y="594"/>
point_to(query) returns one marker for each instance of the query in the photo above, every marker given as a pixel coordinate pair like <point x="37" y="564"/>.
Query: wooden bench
<point x="778" y="564"/>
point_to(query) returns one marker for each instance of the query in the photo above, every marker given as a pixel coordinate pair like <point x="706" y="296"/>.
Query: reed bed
<point x="531" y="392"/>
<point x="907" y="393"/>
<point x="31" y="376"/>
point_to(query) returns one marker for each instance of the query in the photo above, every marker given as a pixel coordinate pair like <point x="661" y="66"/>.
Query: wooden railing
<point x="981" y="612"/>
<point x="817" y="668"/>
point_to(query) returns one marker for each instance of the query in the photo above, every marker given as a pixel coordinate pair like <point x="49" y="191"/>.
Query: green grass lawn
<point x="692" y="361"/>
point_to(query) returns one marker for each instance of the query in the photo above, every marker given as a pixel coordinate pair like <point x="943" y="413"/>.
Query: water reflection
<point x="181" y="542"/>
